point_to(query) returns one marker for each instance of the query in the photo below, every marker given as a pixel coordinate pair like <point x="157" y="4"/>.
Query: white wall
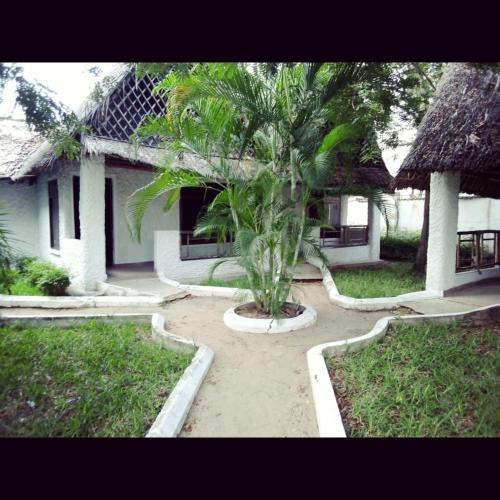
<point x="126" y="249"/>
<point x="473" y="213"/>
<point x="19" y="200"/>
<point x="167" y="261"/>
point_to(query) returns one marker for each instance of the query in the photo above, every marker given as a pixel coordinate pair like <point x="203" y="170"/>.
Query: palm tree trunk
<point x="421" y="259"/>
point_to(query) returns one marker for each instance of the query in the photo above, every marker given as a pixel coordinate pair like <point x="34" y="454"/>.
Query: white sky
<point x="72" y="82"/>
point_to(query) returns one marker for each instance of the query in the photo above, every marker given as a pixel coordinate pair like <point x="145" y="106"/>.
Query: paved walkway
<point x="143" y="280"/>
<point x="466" y="299"/>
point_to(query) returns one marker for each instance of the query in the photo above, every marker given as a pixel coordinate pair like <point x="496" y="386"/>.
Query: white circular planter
<point x="257" y="325"/>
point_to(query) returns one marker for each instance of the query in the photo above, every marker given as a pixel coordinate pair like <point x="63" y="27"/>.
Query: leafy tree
<point x="44" y="115"/>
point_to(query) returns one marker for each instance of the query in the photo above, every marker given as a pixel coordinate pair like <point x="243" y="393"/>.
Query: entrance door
<point x="108" y="220"/>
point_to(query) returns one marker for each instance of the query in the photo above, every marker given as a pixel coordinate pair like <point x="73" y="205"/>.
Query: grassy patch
<point x="386" y="281"/>
<point x="241" y="282"/>
<point x="89" y="380"/>
<point x="428" y="380"/>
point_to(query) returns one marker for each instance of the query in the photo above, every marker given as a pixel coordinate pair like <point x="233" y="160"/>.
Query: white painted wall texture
<point x="126" y="249"/>
<point x="20" y="202"/>
<point x="168" y="261"/>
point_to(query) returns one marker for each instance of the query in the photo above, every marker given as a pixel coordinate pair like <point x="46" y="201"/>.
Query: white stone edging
<point x="173" y="414"/>
<point x="77" y="301"/>
<point x="373" y="304"/>
<point x="328" y="415"/>
<point x="208" y="291"/>
<point x="256" y="325"/>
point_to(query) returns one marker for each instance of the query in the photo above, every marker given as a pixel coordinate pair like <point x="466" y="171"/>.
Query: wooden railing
<point x="344" y="236"/>
<point x="200" y="247"/>
<point x="477" y="249"/>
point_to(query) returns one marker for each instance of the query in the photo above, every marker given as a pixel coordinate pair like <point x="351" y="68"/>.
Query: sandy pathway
<point x="258" y="384"/>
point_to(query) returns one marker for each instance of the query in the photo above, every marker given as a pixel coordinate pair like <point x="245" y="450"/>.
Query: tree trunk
<point x="421" y="260"/>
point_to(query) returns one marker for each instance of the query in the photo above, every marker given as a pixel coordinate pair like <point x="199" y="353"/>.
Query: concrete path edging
<point x="173" y="414"/>
<point x="77" y="301"/>
<point x="328" y="415"/>
<point x="373" y="304"/>
<point x="208" y="291"/>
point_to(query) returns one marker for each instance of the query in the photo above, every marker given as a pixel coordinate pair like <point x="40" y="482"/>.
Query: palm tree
<point x="264" y="133"/>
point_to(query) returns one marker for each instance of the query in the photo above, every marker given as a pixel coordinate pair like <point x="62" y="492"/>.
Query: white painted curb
<point x="256" y="325"/>
<point x="208" y="291"/>
<point x="172" y="416"/>
<point x="374" y="304"/>
<point x="328" y="415"/>
<point x="78" y="302"/>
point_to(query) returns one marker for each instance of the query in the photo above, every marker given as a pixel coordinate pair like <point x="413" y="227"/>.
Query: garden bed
<point x="91" y="380"/>
<point x="430" y="380"/>
<point x="378" y="281"/>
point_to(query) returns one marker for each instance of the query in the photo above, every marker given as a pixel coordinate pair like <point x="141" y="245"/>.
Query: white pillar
<point x="443" y="220"/>
<point x="374" y="230"/>
<point x="344" y="206"/>
<point x="93" y="243"/>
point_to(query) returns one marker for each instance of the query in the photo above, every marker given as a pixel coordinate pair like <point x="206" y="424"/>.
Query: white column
<point x="374" y="230"/>
<point x="443" y="220"/>
<point x="344" y="203"/>
<point x="93" y="243"/>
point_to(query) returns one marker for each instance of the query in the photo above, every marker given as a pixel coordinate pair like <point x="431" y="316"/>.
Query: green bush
<point x="399" y="246"/>
<point x="7" y="279"/>
<point x="22" y="262"/>
<point x="51" y="279"/>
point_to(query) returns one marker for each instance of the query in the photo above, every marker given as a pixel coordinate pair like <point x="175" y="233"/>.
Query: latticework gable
<point x="125" y="109"/>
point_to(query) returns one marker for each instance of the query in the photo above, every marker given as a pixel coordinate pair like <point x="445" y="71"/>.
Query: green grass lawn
<point x="422" y="381"/>
<point x="387" y="281"/>
<point x="91" y="380"/>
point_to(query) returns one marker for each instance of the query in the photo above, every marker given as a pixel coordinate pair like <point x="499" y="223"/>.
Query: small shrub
<point x="22" y="262"/>
<point x="7" y="279"/>
<point x="399" y="246"/>
<point x="51" y="279"/>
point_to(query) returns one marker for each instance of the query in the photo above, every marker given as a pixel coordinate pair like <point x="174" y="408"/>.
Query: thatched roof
<point x="117" y="114"/>
<point x="16" y="144"/>
<point x="460" y="132"/>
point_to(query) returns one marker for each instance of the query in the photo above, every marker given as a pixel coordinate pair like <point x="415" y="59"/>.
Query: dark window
<point x="54" y="214"/>
<point x="76" y="205"/>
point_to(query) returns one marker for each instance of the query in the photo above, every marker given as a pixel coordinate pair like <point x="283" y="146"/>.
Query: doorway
<point x="108" y="220"/>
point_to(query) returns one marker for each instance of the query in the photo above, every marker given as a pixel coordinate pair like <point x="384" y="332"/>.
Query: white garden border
<point x="374" y="304"/>
<point x="79" y="301"/>
<point x="208" y="291"/>
<point x="255" y="325"/>
<point x="328" y="415"/>
<point x="173" y="414"/>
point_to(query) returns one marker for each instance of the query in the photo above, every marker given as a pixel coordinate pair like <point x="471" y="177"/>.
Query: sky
<point x="72" y="83"/>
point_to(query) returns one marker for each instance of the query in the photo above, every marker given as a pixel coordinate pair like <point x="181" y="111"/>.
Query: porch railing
<point x="344" y="236"/>
<point x="477" y="249"/>
<point x="199" y="247"/>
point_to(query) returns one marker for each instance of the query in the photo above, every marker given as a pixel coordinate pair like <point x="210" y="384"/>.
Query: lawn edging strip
<point x="328" y="415"/>
<point x="78" y="301"/>
<point x="208" y="291"/>
<point x="173" y="414"/>
<point x="373" y="304"/>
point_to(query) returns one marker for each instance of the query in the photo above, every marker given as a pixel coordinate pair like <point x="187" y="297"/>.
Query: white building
<point x="457" y="150"/>
<point x="72" y="213"/>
